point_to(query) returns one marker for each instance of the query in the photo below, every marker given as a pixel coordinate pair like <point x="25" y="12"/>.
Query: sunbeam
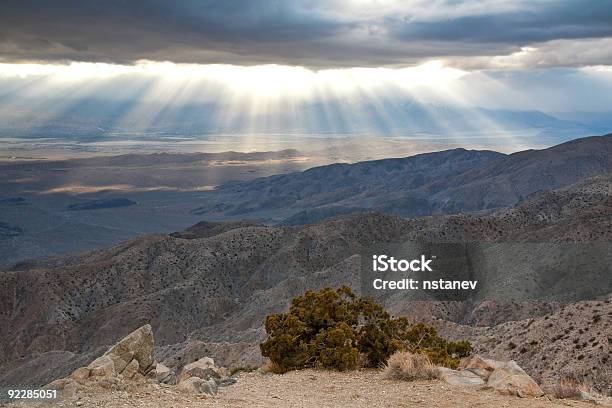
<point x="164" y="100"/>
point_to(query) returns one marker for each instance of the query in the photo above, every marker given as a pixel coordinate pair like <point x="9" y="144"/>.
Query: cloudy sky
<point x="554" y="56"/>
<point x="313" y="33"/>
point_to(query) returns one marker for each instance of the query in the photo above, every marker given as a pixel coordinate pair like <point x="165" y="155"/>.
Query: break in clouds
<point x="306" y="66"/>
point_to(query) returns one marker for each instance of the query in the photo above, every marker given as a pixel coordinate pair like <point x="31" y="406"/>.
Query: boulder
<point x="510" y="366"/>
<point x="203" y="373"/>
<point x="507" y="377"/>
<point x="456" y="377"/>
<point x="480" y="372"/>
<point x="81" y="374"/>
<point x="106" y="382"/>
<point x="510" y="381"/>
<point x="476" y="361"/>
<point x="204" y="362"/>
<point x="209" y="387"/>
<point x="483" y="367"/>
<point x="195" y="385"/>
<point x="138" y="345"/>
<point x="70" y="389"/>
<point x="163" y="374"/>
<point x="121" y="361"/>
<point x="190" y="385"/>
<point x="102" y="366"/>
<point x="67" y="387"/>
<point x="224" y="371"/>
<point x="131" y="369"/>
<point x="131" y="358"/>
<point x="203" y="368"/>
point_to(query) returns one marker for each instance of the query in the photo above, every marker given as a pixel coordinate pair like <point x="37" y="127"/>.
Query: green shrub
<point x="287" y="348"/>
<point x="424" y="339"/>
<point x="334" y="328"/>
<point x="335" y="347"/>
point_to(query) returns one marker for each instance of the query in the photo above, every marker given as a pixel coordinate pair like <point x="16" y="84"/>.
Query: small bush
<point x="410" y="367"/>
<point x="424" y="339"/>
<point x="336" y="329"/>
<point x="567" y="388"/>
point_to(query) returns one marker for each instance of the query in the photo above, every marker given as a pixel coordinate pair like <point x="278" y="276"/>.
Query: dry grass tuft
<point x="568" y="388"/>
<point x="410" y="367"/>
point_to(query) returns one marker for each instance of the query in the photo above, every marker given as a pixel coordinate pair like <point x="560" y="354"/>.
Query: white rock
<point x="456" y="377"/>
<point x="203" y="368"/>
<point x="138" y="345"/>
<point x="514" y="382"/>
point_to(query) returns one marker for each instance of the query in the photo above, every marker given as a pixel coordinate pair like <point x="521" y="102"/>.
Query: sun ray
<point x="258" y="103"/>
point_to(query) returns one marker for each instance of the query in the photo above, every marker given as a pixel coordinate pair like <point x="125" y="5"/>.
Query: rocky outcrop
<point x="196" y="385"/>
<point x="131" y="369"/>
<point x="132" y="359"/>
<point x="129" y="359"/>
<point x="456" y="377"/>
<point x="137" y="346"/>
<point x="66" y="386"/>
<point x="130" y="356"/>
<point x="164" y="375"/>
<point x="506" y="377"/>
<point x="513" y="381"/>
<point x="203" y="368"/>
<point x="480" y="366"/>
<point x="203" y="376"/>
<point x="103" y="366"/>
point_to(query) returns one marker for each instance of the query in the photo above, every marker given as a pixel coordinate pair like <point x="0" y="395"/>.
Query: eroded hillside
<point x="212" y="291"/>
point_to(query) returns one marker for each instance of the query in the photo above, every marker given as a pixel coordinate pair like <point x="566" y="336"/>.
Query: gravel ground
<point x="314" y="388"/>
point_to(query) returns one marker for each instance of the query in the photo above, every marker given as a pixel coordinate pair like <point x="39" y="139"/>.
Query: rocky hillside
<point x="210" y="287"/>
<point x="572" y="341"/>
<point x="447" y="182"/>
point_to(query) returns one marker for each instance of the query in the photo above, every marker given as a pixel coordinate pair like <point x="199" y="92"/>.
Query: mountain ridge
<point x="445" y="182"/>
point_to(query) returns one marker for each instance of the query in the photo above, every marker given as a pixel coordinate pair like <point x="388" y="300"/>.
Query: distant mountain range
<point x="173" y="191"/>
<point x="102" y="119"/>
<point x="446" y="182"/>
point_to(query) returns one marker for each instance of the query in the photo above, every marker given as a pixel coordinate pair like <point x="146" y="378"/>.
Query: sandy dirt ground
<point x="312" y="388"/>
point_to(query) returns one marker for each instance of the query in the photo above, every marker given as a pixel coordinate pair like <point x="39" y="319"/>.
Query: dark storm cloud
<point x="537" y="22"/>
<point x="304" y="32"/>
